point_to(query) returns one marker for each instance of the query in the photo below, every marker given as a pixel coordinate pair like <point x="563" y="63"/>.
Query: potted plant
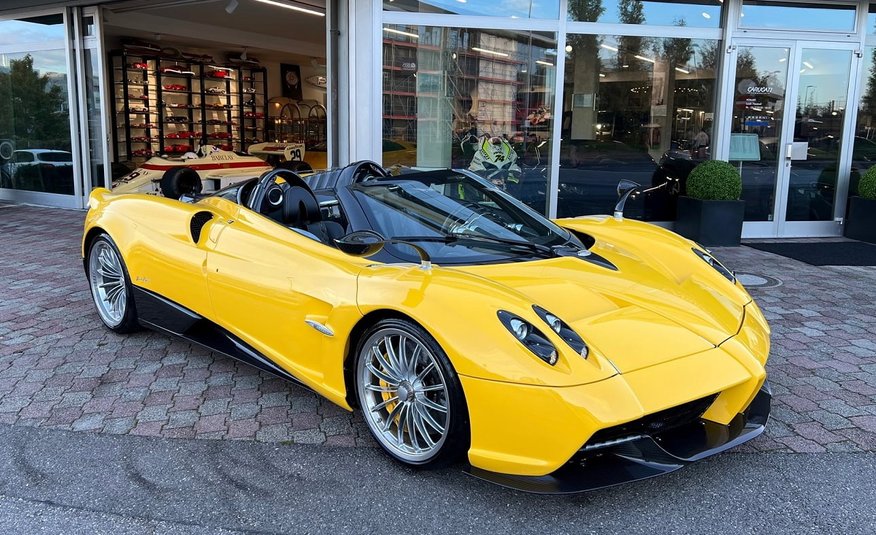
<point x="712" y="213"/>
<point x="861" y="218"/>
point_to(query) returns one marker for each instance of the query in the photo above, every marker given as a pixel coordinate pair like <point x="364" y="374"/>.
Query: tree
<point x="630" y="46"/>
<point x="32" y="108"/>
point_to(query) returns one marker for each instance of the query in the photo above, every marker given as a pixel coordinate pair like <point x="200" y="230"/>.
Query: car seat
<point x="301" y="212"/>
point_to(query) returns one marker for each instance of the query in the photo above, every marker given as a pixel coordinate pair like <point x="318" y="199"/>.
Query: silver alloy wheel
<point x="403" y="394"/>
<point x="108" y="286"/>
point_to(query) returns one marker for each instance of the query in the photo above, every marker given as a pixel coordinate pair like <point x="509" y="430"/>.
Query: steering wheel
<point x="358" y="171"/>
<point x="267" y="190"/>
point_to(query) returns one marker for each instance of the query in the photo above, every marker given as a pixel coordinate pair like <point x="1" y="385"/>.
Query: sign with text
<point x="744" y="148"/>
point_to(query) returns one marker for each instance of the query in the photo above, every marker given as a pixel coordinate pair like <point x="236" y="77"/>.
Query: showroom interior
<point x="578" y="93"/>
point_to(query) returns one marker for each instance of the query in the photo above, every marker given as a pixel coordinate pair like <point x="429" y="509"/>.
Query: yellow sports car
<point x="552" y="356"/>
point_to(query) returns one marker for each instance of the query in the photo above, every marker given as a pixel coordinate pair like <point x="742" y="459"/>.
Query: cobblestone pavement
<point x="59" y="368"/>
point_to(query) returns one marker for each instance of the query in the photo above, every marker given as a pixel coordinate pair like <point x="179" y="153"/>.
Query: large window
<point x="695" y="13"/>
<point x="518" y="9"/>
<point x="34" y="116"/>
<point x="778" y="15"/>
<point x="471" y="98"/>
<point x="634" y="108"/>
<point x="864" y="152"/>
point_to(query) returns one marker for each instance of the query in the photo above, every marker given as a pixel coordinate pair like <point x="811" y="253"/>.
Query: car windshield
<point x="457" y="217"/>
<point x="55" y="157"/>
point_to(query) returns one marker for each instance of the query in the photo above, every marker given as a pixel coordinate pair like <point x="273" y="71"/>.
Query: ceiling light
<point x="808" y="64"/>
<point x="607" y="47"/>
<point x="568" y="48"/>
<point x="685" y="71"/>
<point x="292" y="7"/>
<point x="601" y="75"/>
<point x="485" y="51"/>
<point x="399" y="32"/>
<point x="706" y="15"/>
<point x="548" y="63"/>
<point x="232" y="5"/>
<point x="643" y="58"/>
<point x="782" y="60"/>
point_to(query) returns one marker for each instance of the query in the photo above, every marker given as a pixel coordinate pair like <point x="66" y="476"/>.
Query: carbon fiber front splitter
<point x="644" y="456"/>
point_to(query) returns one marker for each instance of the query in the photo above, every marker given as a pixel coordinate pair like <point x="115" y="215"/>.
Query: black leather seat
<point x="301" y="211"/>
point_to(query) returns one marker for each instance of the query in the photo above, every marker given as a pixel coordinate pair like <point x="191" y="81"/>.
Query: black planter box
<point x="711" y="223"/>
<point x="861" y="221"/>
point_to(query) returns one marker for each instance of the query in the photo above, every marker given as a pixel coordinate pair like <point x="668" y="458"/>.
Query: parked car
<point x="39" y="170"/>
<point x="551" y="357"/>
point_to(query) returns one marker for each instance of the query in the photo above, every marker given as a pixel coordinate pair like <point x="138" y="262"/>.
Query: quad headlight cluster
<point x="536" y="341"/>
<point x="707" y="257"/>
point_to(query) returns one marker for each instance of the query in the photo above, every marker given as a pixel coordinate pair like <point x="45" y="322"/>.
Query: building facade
<point x="557" y="100"/>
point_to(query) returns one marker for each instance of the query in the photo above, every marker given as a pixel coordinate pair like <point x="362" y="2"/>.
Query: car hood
<point x="680" y="304"/>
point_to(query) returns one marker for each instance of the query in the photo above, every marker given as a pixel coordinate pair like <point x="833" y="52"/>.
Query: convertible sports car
<point x="554" y="357"/>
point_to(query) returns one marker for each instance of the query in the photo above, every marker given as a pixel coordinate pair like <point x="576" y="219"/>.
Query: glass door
<point x="821" y="136"/>
<point x="788" y="124"/>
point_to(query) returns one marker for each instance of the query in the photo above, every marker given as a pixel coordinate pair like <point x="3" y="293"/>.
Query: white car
<point x="38" y="169"/>
<point x="210" y="169"/>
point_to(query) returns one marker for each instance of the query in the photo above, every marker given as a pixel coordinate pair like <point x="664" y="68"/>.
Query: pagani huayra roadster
<point x="552" y="356"/>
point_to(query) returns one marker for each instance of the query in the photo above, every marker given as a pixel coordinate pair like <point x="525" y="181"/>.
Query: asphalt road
<point x="65" y="482"/>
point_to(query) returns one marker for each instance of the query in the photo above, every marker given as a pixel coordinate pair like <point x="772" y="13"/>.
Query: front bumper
<point x="642" y="456"/>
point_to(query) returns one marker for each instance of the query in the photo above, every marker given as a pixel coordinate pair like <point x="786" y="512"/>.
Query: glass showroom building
<point x="573" y="95"/>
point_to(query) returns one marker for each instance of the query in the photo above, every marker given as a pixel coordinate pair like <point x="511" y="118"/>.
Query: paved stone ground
<point x="59" y="368"/>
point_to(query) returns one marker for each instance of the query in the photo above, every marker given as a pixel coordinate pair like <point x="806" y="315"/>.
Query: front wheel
<point x="111" y="286"/>
<point x="411" y="398"/>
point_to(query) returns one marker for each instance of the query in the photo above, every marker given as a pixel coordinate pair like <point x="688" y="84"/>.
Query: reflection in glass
<point x="520" y="9"/>
<point x="864" y="152"/>
<point x="95" y="124"/>
<point x="629" y="103"/>
<point x="32" y="30"/>
<point x="34" y="122"/>
<point x="470" y="98"/>
<point x="821" y="112"/>
<point x="871" y="20"/>
<point x="696" y="13"/>
<point x="756" y="129"/>
<point x="777" y="15"/>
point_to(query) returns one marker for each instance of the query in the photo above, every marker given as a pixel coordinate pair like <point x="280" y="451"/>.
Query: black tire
<point x="180" y="181"/>
<point x="455" y="441"/>
<point x="296" y="166"/>
<point x="126" y="322"/>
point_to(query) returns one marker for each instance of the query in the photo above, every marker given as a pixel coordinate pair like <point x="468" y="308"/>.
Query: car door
<point x="167" y="250"/>
<point x="290" y="297"/>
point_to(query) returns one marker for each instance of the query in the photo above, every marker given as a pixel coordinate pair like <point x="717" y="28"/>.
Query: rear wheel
<point x="180" y="181"/>
<point x="410" y="395"/>
<point x="111" y="286"/>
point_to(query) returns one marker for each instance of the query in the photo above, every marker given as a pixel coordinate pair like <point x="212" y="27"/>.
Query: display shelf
<point x="207" y="101"/>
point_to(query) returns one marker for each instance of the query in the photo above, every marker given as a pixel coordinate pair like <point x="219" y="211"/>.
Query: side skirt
<point x="162" y="314"/>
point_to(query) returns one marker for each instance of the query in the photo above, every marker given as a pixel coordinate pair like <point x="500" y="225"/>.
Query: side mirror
<point x="361" y="243"/>
<point x="625" y="188"/>
<point x="367" y="242"/>
<point x="626" y="185"/>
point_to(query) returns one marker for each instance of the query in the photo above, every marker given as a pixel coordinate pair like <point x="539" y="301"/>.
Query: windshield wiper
<point x="513" y="245"/>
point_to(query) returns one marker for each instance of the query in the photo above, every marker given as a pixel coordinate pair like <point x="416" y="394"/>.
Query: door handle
<point x="789" y="151"/>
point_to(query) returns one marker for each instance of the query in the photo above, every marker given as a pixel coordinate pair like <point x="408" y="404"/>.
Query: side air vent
<point x="198" y="221"/>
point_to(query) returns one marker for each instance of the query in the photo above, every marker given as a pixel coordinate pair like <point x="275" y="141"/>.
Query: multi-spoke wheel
<point x="110" y="285"/>
<point x="410" y="395"/>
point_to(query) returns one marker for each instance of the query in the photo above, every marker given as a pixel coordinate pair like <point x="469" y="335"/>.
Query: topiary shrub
<point x="714" y="180"/>
<point x="867" y="184"/>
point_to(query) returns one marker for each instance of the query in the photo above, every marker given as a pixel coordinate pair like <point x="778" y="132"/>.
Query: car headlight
<point x="712" y="261"/>
<point x="563" y="330"/>
<point x="529" y="336"/>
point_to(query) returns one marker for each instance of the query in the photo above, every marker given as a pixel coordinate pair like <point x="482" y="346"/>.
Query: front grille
<point x="655" y="423"/>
